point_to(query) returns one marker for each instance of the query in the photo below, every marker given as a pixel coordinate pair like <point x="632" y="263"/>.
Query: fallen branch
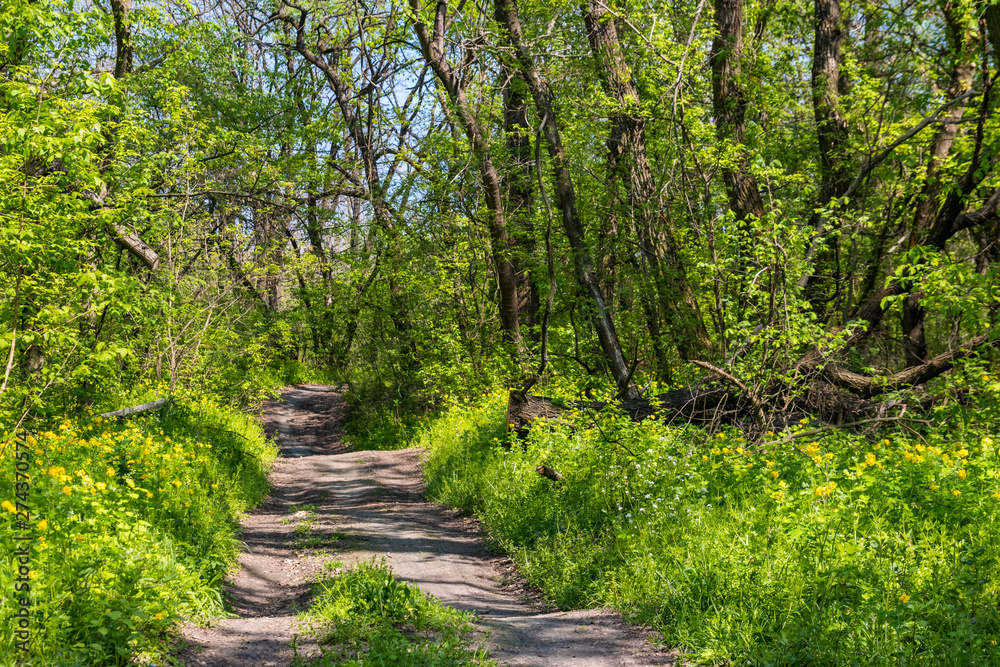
<point x="696" y="403"/>
<point x="749" y="395"/>
<point x="136" y="409"/>
<point x="549" y="473"/>
<point x="130" y="241"/>
<point x="867" y="386"/>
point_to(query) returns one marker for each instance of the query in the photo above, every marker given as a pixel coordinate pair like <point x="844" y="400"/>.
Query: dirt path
<point x="361" y="505"/>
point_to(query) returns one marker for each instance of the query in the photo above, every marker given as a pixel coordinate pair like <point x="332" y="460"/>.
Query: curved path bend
<point x="371" y="504"/>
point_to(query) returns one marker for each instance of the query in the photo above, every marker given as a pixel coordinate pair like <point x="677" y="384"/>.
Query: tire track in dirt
<point x="375" y="499"/>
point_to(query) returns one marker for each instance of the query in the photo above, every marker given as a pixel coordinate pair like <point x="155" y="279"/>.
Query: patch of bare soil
<point x="364" y="505"/>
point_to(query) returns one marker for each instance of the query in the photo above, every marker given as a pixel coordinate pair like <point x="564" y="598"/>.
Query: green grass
<point x="365" y="616"/>
<point x="134" y="527"/>
<point x="833" y="551"/>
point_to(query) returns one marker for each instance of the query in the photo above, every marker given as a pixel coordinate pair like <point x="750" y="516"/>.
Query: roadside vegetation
<point x="133" y="526"/>
<point x="808" y="546"/>
<point x="826" y="549"/>
<point x="365" y="617"/>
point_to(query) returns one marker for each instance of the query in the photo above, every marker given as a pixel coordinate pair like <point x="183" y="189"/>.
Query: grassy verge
<point x="364" y="616"/>
<point x="830" y="551"/>
<point x="132" y="528"/>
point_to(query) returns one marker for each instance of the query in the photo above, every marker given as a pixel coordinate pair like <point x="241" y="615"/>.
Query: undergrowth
<point x="833" y="550"/>
<point x="132" y="526"/>
<point x="365" y="617"/>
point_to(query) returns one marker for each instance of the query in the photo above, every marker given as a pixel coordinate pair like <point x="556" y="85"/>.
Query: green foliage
<point x="799" y="552"/>
<point x="288" y="256"/>
<point x="365" y="616"/>
<point x="134" y="527"/>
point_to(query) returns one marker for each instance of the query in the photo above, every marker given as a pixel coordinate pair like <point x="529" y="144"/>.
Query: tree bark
<point x="518" y="191"/>
<point x="729" y="104"/>
<point x="432" y="47"/>
<point x="566" y="201"/>
<point x="122" y="10"/>
<point x="963" y="42"/>
<point x="827" y="88"/>
<point x="629" y="163"/>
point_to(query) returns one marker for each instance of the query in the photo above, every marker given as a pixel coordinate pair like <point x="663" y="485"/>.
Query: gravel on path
<point x="370" y="504"/>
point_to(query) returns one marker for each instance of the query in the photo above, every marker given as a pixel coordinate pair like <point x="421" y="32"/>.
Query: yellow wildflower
<point x="825" y="489"/>
<point x="904" y="598"/>
<point x="68" y="491"/>
<point x="43" y="524"/>
<point x="9" y="506"/>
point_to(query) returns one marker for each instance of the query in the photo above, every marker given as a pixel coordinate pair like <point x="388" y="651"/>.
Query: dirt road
<point x="360" y="505"/>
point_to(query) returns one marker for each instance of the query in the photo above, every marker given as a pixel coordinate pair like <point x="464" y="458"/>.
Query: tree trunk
<point x="122" y="10"/>
<point x="566" y="201"/>
<point x="433" y="49"/>
<point x="827" y="87"/>
<point x="630" y="164"/>
<point x="963" y="42"/>
<point x="517" y="186"/>
<point x="729" y="105"/>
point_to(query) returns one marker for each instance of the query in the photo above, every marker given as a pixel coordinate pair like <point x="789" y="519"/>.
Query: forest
<point x="695" y="305"/>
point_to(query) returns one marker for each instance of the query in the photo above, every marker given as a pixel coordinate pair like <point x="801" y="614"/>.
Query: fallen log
<point x="136" y="409"/>
<point x="698" y="403"/>
<point x="715" y="400"/>
<point x="549" y="473"/>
